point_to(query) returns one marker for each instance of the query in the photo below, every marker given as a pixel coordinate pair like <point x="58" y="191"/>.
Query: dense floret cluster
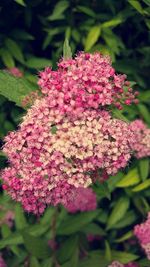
<point x="142" y="232"/>
<point x="68" y="139"/>
<point x="141" y="143"/>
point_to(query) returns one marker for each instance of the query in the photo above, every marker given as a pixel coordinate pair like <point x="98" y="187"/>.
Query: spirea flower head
<point x="142" y="232"/>
<point x="87" y="81"/>
<point x="52" y="153"/>
<point x="83" y="199"/>
<point x="118" y="264"/>
<point x="2" y="262"/>
<point x="141" y="143"/>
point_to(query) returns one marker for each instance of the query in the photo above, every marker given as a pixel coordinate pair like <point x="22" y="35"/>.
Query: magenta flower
<point x="142" y="232"/>
<point x="141" y="143"/>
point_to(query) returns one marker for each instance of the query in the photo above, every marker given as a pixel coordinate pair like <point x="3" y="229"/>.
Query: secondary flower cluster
<point x="68" y="137"/>
<point x="142" y="232"/>
<point x="88" y="81"/>
<point x="141" y="144"/>
<point x="118" y="264"/>
<point x="2" y="262"/>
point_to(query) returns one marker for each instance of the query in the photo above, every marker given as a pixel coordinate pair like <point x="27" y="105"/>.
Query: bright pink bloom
<point x="88" y="81"/>
<point x="50" y="154"/>
<point x="83" y="199"/>
<point x="141" y="143"/>
<point x="142" y="231"/>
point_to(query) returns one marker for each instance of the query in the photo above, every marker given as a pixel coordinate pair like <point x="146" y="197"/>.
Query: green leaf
<point x="47" y="216"/>
<point x="136" y="4"/>
<point x="20" y="219"/>
<point x="93" y="229"/>
<point x="129" y="219"/>
<point x="13" y="239"/>
<point x="47" y="263"/>
<point x="123" y="257"/>
<point x="87" y="11"/>
<point x="92" y="37"/>
<point x="130" y="179"/>
<point x="58" y="11"/>
<point x="36" y="246"/>
<point x="142" y="186"/>
<point x="7" y="58"/>
<point x="38" y="63"/>
<point x="125" y="237"/>
<point x="68" y="246"/>
<point x="103" y="190"/>
<point x="144" y="168"/>
<point x="20" y="2"/>
<point x="118" y="212"/>
<point x="118" y="114"/>
<point x="74" y="223"/>
<point x="112" y="23"/>
<point x="144" y="112"/>
<point x="34" y="262"/>
<point x="14" y="88"/>
<point x="67" y="54"/>
<point x="94" y="261"/>
<point x="14" y="49"/>
<point x="107" y="251"/>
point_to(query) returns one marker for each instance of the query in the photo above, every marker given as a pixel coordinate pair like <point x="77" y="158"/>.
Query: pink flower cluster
<point x="118" y="264"/>
<point x="2" y="262"/>
<point x="88" y="81"/>
<point x="141" y="143"/>
<point x="83" y="199"/>
<point x="142" y="232"/>
<point x="51" y="154"/>
<point x="66" y="141"/>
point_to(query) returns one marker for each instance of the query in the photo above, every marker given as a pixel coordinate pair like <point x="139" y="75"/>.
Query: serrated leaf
<point x="74" y="223"/>
<point x="38" y="63"/>
<point x="118" y="114"/>
<point x="142" y="186"/>
<point x="7" y="58"/>
<point x="94" y="261"/>
<point x="14" y="49"/>
<point x="144" y="168"/>
<point x="103" y="190"/>
<point x="14" y="88"/>
<point x="67" y="50"/>
<point x="58" y="11"/>
<point x="130" y="179"/>
<point x="118" y="211"/>
<point x="36" y="246"/>
<point x="92" y="37"/>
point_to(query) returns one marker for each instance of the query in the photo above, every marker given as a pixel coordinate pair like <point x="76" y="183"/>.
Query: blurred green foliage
<point x="32" y="33"/>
